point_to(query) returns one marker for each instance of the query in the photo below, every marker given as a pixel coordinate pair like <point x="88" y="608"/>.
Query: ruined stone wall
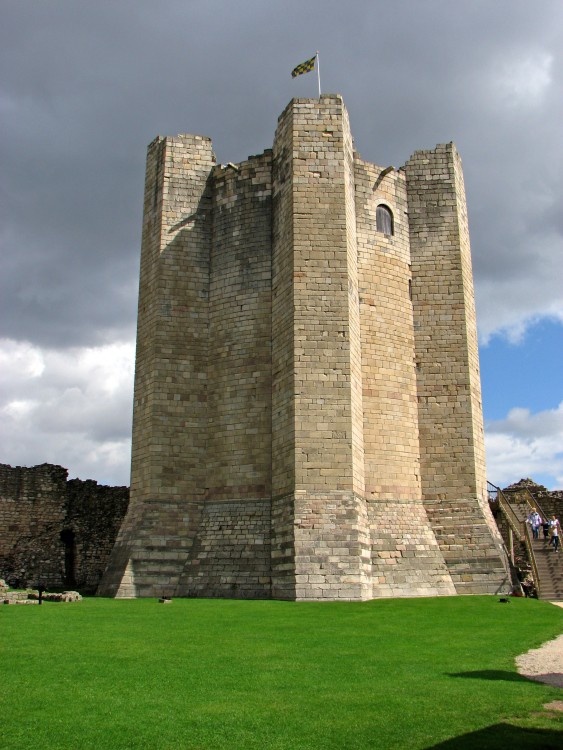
<point x="527" y="491"/>
<point x="552" y="503"/>
<point x="94" y="514"/>
<point x="56" y="531"/>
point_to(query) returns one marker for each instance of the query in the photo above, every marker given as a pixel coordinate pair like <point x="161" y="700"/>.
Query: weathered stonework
<point x="307" y="417"/>
<point x="54" y="530"/>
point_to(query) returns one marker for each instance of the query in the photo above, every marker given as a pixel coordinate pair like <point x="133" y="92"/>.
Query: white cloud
<point x="18" y="409"/>
<point x="70" y="407"/>
<point x="512" y="300"/>
<point x="21" y="359"/>
<point x="525" y="444"/>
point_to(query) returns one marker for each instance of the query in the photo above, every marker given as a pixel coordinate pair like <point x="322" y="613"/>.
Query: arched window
<point x="384" y="220"/>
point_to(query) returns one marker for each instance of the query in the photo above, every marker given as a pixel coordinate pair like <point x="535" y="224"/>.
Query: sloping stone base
<point x="472" y="550"/>
<point x="151" y="550"/>
<point x="337" y="547"/>
<point x="406" y="558"/>
<point x="230" y="556"/>
<point x="332" y="555"/>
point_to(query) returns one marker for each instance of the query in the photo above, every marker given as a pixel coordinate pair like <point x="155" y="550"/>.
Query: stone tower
<point x="307" y="417"/>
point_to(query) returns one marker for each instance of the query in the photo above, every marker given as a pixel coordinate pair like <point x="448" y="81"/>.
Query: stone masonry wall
<point x="452" y="452"/>
<point x="444" y="353"/>
<point x="168" y="463"/>
<point x="307" y="420"/>
<point x="406" y="558"/>
<point x="56" y="531"/>
<point x="328" y="506"/>
<point x="93" y="519"/>
<point x="283" y="362"/>
<point x="231" y="553"/>
<point x="239" y="390"/>
<point x="391" y="441"/>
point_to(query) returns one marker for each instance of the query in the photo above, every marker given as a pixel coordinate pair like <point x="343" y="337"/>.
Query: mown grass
<point x="213" y="674"/>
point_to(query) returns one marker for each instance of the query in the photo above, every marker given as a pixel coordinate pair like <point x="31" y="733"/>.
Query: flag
<point x="304" y="67"/>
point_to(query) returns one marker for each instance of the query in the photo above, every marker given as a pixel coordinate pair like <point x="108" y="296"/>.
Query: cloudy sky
<point x="85" y="86"/>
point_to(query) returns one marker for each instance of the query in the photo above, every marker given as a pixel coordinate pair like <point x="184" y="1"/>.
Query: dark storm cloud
<point x="85" y="87"/>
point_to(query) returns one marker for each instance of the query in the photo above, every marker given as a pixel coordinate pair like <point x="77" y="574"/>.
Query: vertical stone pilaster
<point x="449" y="394"/>
<point x="230" y="555"/>
<point x="182" y="301"/>
<point x="317" y="353"/>
<point x="450" y="415"/>
<point x="168" y="471"/>
<point x="283" y="362"/>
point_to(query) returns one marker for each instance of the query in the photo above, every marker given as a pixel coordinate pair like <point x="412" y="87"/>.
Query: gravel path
<point x="544" y="664"/>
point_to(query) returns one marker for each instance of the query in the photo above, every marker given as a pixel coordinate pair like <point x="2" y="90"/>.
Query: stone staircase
<point x="548" y="573"/>
<point x="549" y="569"/>
<point x="549" y="565"/>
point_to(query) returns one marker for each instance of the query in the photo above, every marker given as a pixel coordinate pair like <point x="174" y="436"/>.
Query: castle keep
<point x="307" y="417"/>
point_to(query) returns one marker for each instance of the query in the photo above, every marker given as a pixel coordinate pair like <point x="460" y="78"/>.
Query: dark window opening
<point x="384" y="220"/>
<point x="69" y="540"/>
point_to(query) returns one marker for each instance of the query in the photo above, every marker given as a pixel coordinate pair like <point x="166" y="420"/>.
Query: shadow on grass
<point x="491" y="674"/>
<point x="502" y="736"/>
<point x="555" y="679"/>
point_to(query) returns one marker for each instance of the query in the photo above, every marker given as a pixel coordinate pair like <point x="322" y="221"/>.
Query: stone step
<point x="549" y="566"/>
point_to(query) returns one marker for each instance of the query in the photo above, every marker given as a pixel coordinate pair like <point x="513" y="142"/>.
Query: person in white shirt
<point x="555" y="526"/>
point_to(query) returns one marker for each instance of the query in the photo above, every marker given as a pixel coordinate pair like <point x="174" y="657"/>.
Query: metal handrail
<point x="514" y="522"/>
<point x="532" y="558"/>
<point x="514" y="525"/>
<point x="534" y="505"/>
<point x="520" y="528"/>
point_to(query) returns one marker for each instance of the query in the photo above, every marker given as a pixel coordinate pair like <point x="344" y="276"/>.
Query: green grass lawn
<point x="196" y="673"/>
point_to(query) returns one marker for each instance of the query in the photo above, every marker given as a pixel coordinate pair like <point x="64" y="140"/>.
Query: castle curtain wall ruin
<point x="307" y="417"/>
<point x="56" y="531"/>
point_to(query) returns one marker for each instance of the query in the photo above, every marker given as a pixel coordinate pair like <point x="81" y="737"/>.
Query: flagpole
<point x="318" y="72"/>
